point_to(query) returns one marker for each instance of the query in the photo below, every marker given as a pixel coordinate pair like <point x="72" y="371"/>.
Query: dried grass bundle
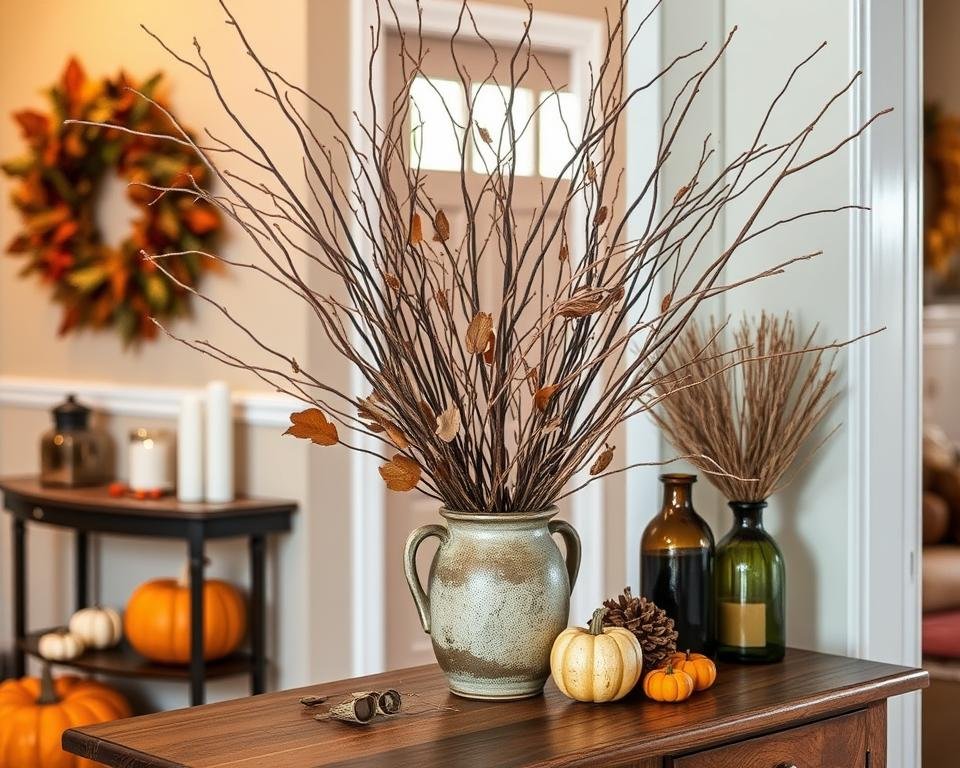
<point x="749" y="410"/>
<point x="488" y="404"/>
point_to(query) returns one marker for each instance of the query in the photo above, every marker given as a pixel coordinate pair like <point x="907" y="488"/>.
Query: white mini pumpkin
<point x="97" y="627"/>
<point x="60" y="646"/>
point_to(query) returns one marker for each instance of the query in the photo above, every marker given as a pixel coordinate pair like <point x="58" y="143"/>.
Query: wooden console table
<point x="94" y="510"/>
<point x="810" y="711"/>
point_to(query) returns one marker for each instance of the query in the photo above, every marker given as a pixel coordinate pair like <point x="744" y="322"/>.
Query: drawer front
<point x="840" y="742"/>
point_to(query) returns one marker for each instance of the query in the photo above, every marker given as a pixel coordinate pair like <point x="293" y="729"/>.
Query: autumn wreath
<point x="102" y="285"/>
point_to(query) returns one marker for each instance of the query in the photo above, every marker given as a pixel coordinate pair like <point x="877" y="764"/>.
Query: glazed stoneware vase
<point x="497" y="597"/>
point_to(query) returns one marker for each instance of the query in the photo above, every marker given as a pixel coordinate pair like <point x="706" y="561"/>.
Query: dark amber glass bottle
<point x="676" y="565"/>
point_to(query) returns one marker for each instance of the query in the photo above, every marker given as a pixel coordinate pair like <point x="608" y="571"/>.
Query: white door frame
<point x="884" y="411"/>
<point x="583" y="40"/>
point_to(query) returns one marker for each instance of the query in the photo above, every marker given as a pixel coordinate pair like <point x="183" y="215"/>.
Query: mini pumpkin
<point x="596" y="664"/>
<point x="701" y="668"/>
<point x="35" y="713"/>
<point x="668" y="684"/>
<point x="98" y="627"/>
<point x="60" y="646"/>
<point x="157" y="620"/>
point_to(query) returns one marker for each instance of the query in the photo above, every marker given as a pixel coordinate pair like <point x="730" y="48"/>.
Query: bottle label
<point x="743" y="625"/>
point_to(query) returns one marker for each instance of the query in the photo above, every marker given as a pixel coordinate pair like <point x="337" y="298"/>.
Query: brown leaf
<point x="440" y="296"/>
<point x="603" y="460"/>
<point x="416" y="230"/>
<point x="601" y="216"/>
<point x="401" y="473"/>
<point x="312" y="425"/>
<point x="396" y="436"/>
<point x="478" y="333"/>
<point x="485" y="136"/>
<point x="617" y="293"/>
<point x="427" y="412"/>
<point x="295" y="365"/>
<point x="448" y="424"/>
<point x="564" y="251"/>
<point x="579" y="306"/>
<point x="541" y="398"/>
<point x="553" y="425"/>
<point x="441" y="227"/>
<point x="680" y="193"/>
<point x="591" y="171"/>
<point x="392" y="280"/>
<point x="491" y="345"/>
<point x="665" y="304"/>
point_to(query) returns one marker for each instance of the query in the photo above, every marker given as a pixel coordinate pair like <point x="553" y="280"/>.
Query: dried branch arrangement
<point x="752" y="408"/>
<point x="489" y="405"/>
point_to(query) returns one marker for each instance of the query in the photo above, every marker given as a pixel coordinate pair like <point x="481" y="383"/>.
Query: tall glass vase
<point x="750" y="583"/>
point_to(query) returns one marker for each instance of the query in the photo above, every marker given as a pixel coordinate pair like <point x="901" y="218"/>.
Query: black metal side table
<point x="93" y="510"/>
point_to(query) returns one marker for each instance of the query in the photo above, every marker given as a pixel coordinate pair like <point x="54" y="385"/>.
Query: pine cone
<point x="654" y="630"/>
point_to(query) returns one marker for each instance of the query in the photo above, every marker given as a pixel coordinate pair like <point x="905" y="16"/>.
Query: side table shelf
<point x="93" y="510"/>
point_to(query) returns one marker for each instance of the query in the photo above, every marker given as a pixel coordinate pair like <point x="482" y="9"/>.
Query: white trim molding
<point x="883" y="594"/>
<point x="257" y="409"/>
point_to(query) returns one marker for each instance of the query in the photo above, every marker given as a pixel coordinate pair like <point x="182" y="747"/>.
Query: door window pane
<point x="490" y="112"/>
<point x="560" y="132"/>
<point x="438" y="112"/>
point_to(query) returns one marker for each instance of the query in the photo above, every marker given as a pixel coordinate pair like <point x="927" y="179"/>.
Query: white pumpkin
<point x="97" y="627"/>
<point x="60" y="646"/>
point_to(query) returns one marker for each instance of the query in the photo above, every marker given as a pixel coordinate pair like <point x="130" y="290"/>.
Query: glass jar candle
<point x="149" y="457"/>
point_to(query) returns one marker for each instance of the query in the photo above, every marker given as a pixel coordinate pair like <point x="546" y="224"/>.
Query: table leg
<point x="83" y="560"/>
<point x="197" y="665"/>
<point x="19" y="594"/>
<point x="258" y="618"/>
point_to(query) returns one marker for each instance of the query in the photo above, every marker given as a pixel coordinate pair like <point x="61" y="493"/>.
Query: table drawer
<point x="840" y="742"/>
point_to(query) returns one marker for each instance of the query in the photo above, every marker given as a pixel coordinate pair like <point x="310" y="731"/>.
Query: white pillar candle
<point x="219" y="443"/>
<point x="190" y="449"/>
<point x="149" y="461"/>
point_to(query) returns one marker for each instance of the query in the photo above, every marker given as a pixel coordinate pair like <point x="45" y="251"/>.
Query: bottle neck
<point x="748" y="514"/>
<point x="677" y="499"/>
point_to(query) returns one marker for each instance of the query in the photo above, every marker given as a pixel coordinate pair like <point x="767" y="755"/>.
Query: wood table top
<point x="547" y="731"/>
<point x="98" y="499"/>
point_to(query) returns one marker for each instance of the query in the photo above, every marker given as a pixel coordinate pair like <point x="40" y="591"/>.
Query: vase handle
<point x="420" y="597"/>
<point x="571" y="540"/>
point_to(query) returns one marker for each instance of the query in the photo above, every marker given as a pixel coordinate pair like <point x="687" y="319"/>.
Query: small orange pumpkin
<point x="157" y="620"/>
<point x="34" y="713"/>
<point x="668" y="684"/>
<point x="701" y="668"/>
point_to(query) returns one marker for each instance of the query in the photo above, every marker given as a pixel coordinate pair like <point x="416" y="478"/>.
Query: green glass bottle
<point x="751" y="622"/>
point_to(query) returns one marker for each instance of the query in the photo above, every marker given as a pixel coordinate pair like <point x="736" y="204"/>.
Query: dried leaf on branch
<point x="603" y="460"/>
<point x="541" y="398"/>
<point x="416" y="230"/>
<point x="441" y="227"/>
<point x="401" y="473"/>
<point x="448" y="424"/>
<point x="478" y="334"/>
<point x="312" y="425"/>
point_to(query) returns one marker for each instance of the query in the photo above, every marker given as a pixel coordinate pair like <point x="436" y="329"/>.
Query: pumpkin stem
<point x="596" y="623"/>
<point x="48" y="694"/>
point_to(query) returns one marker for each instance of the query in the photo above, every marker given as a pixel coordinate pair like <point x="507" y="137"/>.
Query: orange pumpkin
<point x="157" y="620"/>
<point x="699" y="667"/>
<point x="34" y="713"/>
<point x="668" y="684"/>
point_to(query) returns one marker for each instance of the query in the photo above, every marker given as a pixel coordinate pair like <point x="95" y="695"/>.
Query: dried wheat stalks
<point x="752" y="408"/>
<point x="488" y="405"/>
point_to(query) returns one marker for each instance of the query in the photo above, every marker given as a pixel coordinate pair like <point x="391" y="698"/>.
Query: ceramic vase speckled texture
<point x="497" y="597"/>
